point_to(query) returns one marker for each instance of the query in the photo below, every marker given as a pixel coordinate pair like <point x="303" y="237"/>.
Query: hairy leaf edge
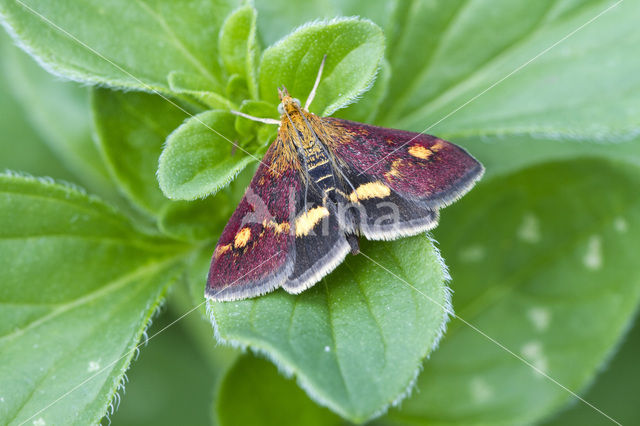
<point x="289" y="370"/>
<point x="132" y="352"/>
<point x="67" y="73"/>
<point x="333" y="107"/>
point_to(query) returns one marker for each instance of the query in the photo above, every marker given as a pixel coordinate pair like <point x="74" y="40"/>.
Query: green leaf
<point x="197" y="88"/>
<point x="579" y="88"/>
<point x="274" y="400"/>
<point x="197" y="325"/>
<point x="237" y="88"/>
<point x="199" y="157"/>
<point x="246" y="127"/>
<point x="78" y="287"/>
<point x="365" y="109"/>
<point x="201" y="220"/>
<point x="146" y="40"/>
<point x="504" y="155"/>
<point x="196" y="275"/>
<point x="195" y="220"/>
<point x="131" y="129"/>
<point x="546" y="265"/>
<point x="172" y="360"/>
<point x="58" y="111"/>
<point x="614" y="391"/>
<point x="34" y="156"/>
<point x="354" y="49"/>
<point x="238" y="47"/>
<point x="279" y="17"/>
<point x="356" y="339"/>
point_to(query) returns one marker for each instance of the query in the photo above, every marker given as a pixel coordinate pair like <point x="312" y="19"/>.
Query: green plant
<point x="542" y="253"/>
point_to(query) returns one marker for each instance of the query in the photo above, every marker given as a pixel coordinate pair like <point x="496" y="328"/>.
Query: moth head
<point x="287" y="103"/>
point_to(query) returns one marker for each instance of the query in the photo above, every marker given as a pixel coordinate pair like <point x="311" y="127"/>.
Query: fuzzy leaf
<point x="366" y="108"/>
<point x="196" y="220"/>
<point x="65" y="316"/>
<point x="238" y="47"/>
<point x="200" y="220"/>
<point x="261" y="109"/>
<point x="58" y="111"/>
<point x="181" y="357"/>
<point x="555" y="247"/>
<point x="502" y="155"/>
<point x="276" y="401"/>
<point x="356" y="339"/>
<point x="579" y="89"/>
<point x="34" y="156"/>
<point x="146" y="39"/>
<point x="614" y="391"/>
<point x="279" y="17"/>
<point x="197" y="88"/>
<point x="354" y="49"/>
<point x="199" y="157"/>
<point x="131" y="129"/>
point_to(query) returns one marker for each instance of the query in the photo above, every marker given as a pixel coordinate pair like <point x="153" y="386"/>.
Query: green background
<point x="542" y="254"/>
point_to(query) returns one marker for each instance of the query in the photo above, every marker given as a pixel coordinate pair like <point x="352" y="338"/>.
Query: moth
<point x="324" y="183"/>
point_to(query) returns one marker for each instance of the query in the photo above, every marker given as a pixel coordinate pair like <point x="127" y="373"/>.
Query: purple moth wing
<point x="255" y="253"/>
<point x="416" y="174"/>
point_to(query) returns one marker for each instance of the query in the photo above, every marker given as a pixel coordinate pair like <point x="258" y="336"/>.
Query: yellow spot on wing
<point x="370" y="190"/>
<point x="220" y="250"/>
<point x="280" y="227"/>
<point x="277" y="227"/>
<point x="437" y="146"/>
<point x="242" y="238"/>
<point x="308" y="220"/>
<point x="420" y="151"/>
<point x="394" y="171"/>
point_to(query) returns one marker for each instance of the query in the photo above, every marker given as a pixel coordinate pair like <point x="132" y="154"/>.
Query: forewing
<point x="417" y="166"/>
<point x="397" y="180"/>
<point x="255" y="253"/>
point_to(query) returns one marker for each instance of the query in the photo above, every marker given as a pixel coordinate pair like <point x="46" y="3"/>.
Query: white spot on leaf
<point x="539" y="317"/>
<point x="532" y="352"/>
<point x="480" y="390"/>
<point x="93" y="366"/>
<point x="593" y="257"/>
<point x="620" y="225"/>
<point x="474" y="253"/>
<point x="529" y="230"/>
<point x="39" y="422"/>
<point x="327" y="349"/>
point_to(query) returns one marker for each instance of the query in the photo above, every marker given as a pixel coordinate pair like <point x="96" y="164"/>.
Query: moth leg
<point x="312" y="94"/>
<point x="354" y="242"/>
<point x="251" y="117"/>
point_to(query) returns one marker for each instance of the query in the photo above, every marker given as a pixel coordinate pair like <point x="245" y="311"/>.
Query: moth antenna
<point x="251" y="117"/>
<point x="315" y="85"/>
